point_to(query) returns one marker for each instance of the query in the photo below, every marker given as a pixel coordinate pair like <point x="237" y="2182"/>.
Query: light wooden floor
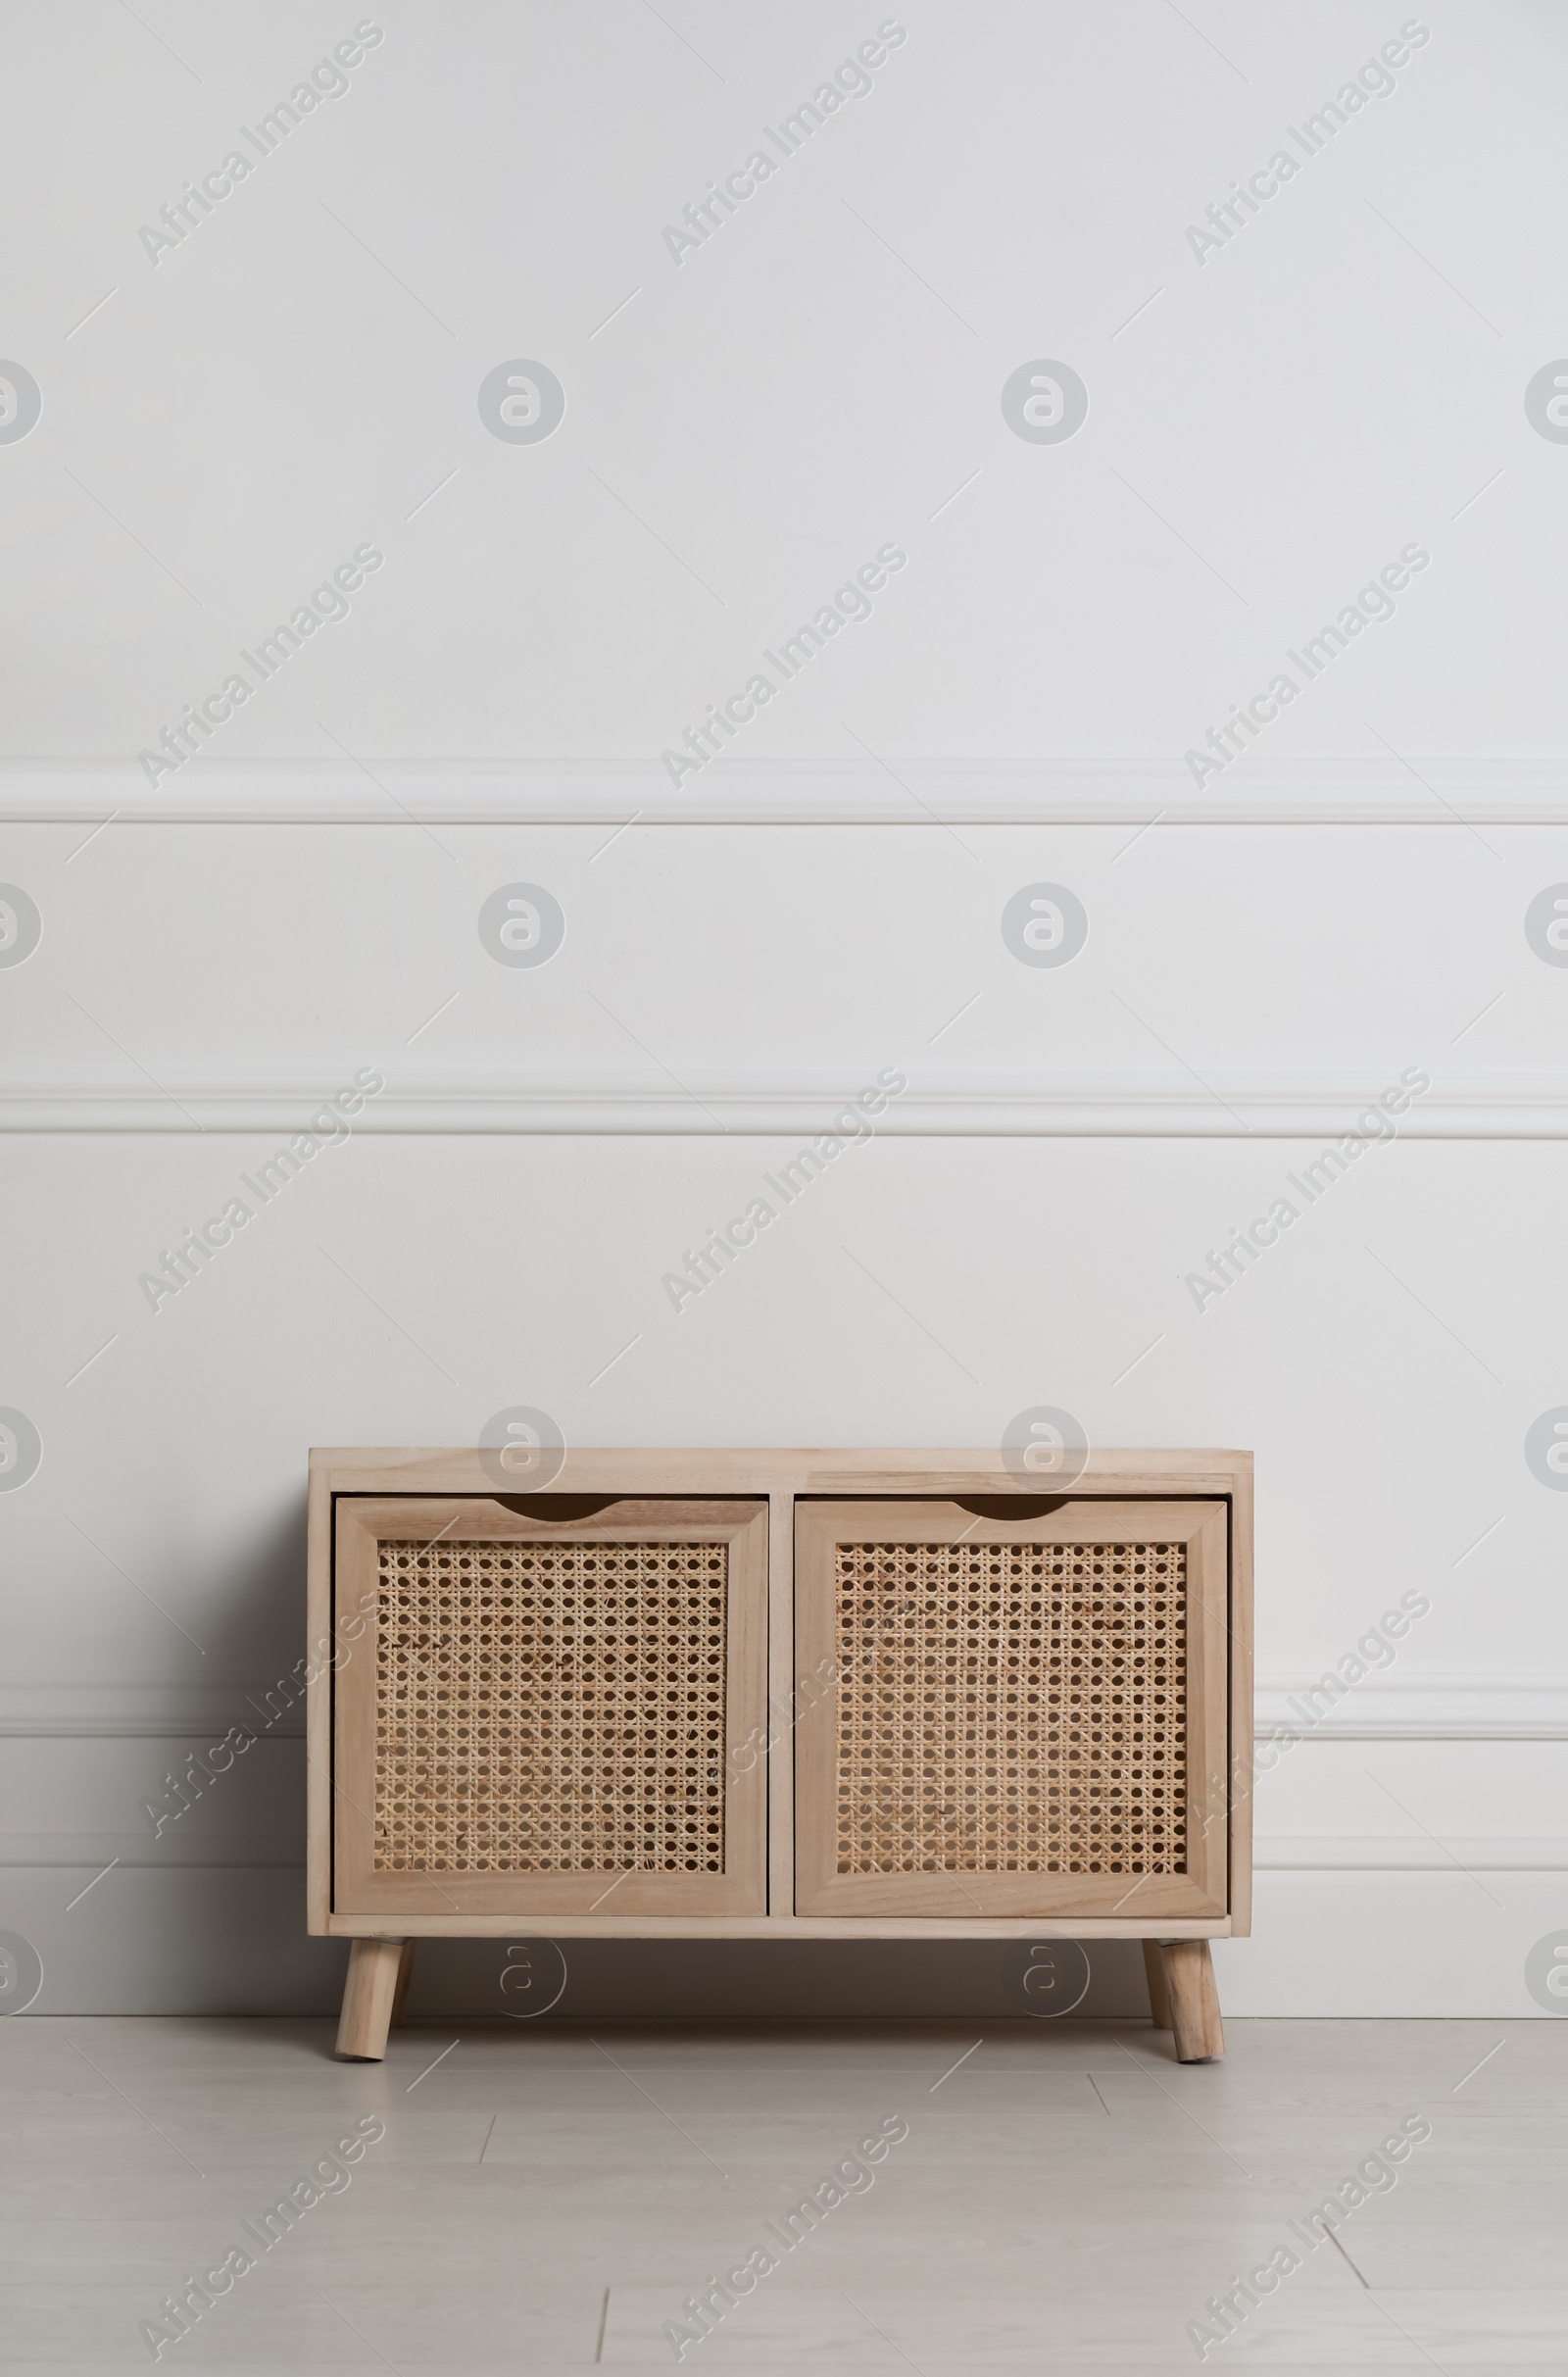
<point x="1066" y="2198"/>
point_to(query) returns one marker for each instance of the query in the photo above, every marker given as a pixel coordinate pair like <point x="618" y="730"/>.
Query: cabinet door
<point x="537" y="1714"/>
<point x="1012" y="1716"/>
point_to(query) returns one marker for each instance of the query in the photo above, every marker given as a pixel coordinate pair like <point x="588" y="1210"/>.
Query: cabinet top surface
<point x="913" y="1457"/>
<point x="799" y="1468"/>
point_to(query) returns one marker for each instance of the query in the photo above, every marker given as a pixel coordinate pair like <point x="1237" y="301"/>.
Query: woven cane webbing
<point x="1010" y="1707"/>
<point x="550" y="1707"/>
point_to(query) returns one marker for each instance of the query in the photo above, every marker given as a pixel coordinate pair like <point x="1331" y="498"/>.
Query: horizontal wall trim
<point x="1391" y="1707"/>
<point x="1279" y="1853"/>
<point x="730" y="791"/>
<point x="48" y="1727"/>
<point x="1388" y="1708"/>
<point x="127" y="1852"/>
<point x="173" y="1712"/>
<point x="998" y="1104"/>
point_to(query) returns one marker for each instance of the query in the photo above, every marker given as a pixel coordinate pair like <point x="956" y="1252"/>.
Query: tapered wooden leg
<point x="369" y="1995"/>
<point x="1158" y="1994"/>
<point x="400" y="1996"/>
<point x="1193" y="2001"/>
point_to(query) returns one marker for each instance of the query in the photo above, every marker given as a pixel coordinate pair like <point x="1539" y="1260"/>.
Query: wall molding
<point x="897" y="791"/>
<point x="1274" y="1853"/>
<point x="990" y="1104"/>
<point x="127" y="1852"/>
<point x="175" y="1712"/>
<point x="1391" y="1707"/>
<point x="1387" y="1708"/>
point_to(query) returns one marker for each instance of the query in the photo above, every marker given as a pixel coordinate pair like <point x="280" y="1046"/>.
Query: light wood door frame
<point x="363" y="1524"/>
<point x="1201" y="1890"/>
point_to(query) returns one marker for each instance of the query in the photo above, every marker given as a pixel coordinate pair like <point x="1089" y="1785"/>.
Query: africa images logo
<point x="21" y="402"/>
<point x="521" y="402"/>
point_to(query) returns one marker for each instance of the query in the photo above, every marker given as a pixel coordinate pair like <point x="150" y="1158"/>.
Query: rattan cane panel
<point x="550" y="1707"/>
<point x="1009" y="1708"/>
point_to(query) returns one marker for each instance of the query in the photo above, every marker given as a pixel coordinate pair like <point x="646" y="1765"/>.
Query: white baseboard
<point x="1434" y="1945"/>
<point x="1347" y="1945"/>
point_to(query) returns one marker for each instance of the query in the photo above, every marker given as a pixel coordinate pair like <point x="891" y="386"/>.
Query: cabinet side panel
<point x="318" y="1629"/>
<point x="1208" y="1789"/>
<point x="1242" y="1754"/>
<point x="354" y="1707"/>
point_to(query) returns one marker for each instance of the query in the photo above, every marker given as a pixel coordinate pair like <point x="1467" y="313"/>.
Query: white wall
<point x="1338" y="906"/>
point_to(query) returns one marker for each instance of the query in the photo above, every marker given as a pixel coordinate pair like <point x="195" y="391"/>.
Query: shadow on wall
<point x="235" y="1943"/>
<point x="203" y="1911"/>
<point x="762" y="1980"/>
<point x="262" y="1626"/>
